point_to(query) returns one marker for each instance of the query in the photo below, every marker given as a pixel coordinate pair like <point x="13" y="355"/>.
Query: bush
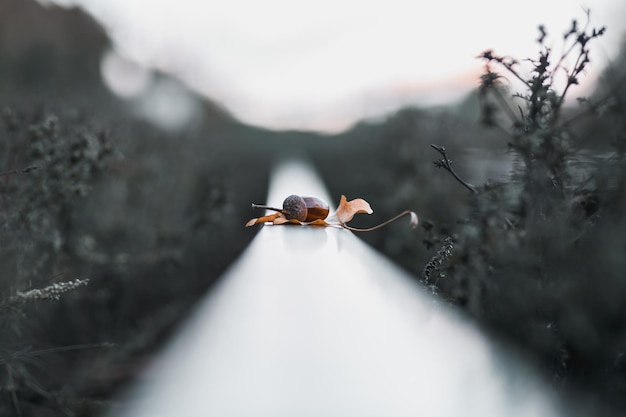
<point x="537" y="260"/>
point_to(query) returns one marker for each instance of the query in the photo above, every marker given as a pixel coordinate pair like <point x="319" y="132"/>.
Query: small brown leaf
<point x="268" y="218"/>
<point x="347" y="209"/>
<point x="318" y="222"/>
<point x="283" y="220"/>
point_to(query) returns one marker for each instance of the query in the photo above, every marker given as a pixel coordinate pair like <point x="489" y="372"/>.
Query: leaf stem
<point x="414" y="221"/>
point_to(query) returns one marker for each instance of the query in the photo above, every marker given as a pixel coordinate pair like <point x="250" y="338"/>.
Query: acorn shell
<point x="305" y="209"/>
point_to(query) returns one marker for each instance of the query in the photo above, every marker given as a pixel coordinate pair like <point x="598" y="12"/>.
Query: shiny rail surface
<point x="313" y="322"/>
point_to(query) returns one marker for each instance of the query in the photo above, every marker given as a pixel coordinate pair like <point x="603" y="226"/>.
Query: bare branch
<point x="19" y="171"/>
<point x="447" y="165"/>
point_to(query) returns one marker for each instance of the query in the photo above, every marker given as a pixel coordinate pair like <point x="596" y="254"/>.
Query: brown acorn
<point x="304" y="209"/>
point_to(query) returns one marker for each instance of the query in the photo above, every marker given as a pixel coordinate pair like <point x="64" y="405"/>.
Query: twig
<point x="28" y="354"/>
<point x="505" y="105"/>
<point x="447" y="165"/>
<point x="20" y="171"/>
<point x="16" y="404"/>
<point x="598" y="102"/>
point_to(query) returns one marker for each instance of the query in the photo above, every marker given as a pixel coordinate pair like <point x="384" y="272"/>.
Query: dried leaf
<point x="264" y="219"/>
<point x="282" y="220"/>
<point x="318" y="222"/>
<point x="347" y="209"/>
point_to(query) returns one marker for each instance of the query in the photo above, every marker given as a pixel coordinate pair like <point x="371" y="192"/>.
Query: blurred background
<point x="135" y="135"/>
<point x="326" y="66"/>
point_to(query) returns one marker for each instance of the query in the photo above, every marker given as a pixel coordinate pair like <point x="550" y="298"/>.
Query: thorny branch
<point x="447" y="165"/>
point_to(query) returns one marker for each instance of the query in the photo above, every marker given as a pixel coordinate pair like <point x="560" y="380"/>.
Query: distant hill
<point x="48" y="50"/>
<point x="52" y="55"/>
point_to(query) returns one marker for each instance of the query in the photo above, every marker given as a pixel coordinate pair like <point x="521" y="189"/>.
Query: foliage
<point x="60" y="160"/>
<point x="110" y="234"/>
<point x="535" y="259"/>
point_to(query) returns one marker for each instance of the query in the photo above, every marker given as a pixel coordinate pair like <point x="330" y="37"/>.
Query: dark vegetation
<point x="112" y="228"/>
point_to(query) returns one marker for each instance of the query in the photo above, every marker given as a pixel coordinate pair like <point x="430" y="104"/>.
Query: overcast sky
<point x="325" y="64"/>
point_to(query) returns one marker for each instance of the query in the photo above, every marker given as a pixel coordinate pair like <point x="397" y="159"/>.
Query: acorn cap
<point x="294" y="207"/>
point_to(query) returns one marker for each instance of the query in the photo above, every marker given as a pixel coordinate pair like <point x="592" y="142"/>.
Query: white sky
<point x="325" y="64"/>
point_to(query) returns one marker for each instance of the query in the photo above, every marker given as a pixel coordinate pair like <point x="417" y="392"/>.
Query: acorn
<point x="304" y="209"/>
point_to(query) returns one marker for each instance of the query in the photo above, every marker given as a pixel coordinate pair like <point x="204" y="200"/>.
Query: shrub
<point x="536" y="259"/>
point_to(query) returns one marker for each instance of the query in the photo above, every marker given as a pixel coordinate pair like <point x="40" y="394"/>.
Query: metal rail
<point x="313" y="322"/>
